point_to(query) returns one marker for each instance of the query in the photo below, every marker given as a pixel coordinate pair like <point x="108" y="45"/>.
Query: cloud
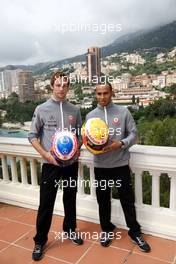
<point x="31" y="30"/>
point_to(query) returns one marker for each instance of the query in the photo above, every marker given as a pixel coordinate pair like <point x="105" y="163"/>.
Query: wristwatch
<point x="123" y="144"/>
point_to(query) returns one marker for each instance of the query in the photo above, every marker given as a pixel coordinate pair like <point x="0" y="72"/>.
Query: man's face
<point x="60" y="88"/>
<point x="103" y="94"/>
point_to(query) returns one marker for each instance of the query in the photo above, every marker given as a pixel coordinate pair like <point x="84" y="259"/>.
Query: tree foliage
<point x="17" y="111"/>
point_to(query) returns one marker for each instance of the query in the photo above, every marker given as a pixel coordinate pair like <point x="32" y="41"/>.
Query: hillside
<point x="159" y="38"/>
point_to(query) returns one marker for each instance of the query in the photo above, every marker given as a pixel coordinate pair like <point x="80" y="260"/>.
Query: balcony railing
<point x="21" y="164"/>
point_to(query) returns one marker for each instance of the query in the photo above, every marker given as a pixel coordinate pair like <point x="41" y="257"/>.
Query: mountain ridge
<point x="162" y="37"/>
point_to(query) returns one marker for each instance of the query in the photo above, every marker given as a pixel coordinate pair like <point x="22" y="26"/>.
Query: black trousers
<point x="49" y="183"/>
<point x="121" y="176"/>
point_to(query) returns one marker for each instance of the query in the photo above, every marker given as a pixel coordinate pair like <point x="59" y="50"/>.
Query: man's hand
<point x="47" y="156"/>
<point x="78" y="152"/>
<point x="113" y="146"/>
<point x="77" y="155"/>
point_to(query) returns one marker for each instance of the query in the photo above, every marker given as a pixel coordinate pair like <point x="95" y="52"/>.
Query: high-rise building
<point x="93" y="63"/>
<point x="5" y="83"/>
<point x="26" y="86"/>
<point x="2" y="88"/>
<point x="14" y="80"/>
<point x="8" y="82"/>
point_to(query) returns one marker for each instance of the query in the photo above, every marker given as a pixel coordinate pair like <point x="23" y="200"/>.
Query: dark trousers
<point x="120" y="176"/>
<point x="50" y="177"/>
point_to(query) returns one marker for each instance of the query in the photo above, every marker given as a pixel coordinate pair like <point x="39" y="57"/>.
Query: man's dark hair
<point x="59" y="74"/>
<point x="106" y="84"/>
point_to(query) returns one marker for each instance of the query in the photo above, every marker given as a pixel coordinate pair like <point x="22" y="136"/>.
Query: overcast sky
<point x="33" y="31"/>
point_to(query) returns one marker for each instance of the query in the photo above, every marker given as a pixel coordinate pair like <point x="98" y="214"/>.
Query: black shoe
<point x="75" y="238"/>
<point x="142" y="244"/>
<point x="106" y="238"/>
<point x="37" y="252"/>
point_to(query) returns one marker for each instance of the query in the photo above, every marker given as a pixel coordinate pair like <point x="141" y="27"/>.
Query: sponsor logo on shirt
<point x="116" y="121"/>
<point x="71" y="118"/>
<point x="52" y="117"/>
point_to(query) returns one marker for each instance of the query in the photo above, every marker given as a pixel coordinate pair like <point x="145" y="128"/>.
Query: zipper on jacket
<point x="62" y="116"/>
<point x="106" y="116"/>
